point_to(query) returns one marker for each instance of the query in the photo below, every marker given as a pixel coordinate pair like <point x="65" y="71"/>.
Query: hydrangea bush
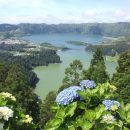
<point x="98" y="109"/>
<point x="11" y="117"/>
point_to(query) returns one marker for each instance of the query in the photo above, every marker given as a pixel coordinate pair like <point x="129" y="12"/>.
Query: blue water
<point x="61" y="39"/>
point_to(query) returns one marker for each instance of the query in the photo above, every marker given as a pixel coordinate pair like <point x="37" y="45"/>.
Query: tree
<point x="97" y="70"/>
<point x="72" y="74"/>
<point x="3" y="73"/>
<point x="122" y="77"/>
<point x="46" y="113"/>
<point x="17" y="81"/>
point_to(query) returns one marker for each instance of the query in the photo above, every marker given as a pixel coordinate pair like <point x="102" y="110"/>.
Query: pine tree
<point x="97" y="70"/>
<point x="72" y="74"/>
<point x="121" y="79"/>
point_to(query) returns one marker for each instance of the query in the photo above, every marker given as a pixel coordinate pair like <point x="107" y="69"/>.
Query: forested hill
<point x="114" y="29"/>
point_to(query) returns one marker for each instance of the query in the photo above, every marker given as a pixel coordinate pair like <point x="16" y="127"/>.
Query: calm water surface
<point x="51" y="76"/>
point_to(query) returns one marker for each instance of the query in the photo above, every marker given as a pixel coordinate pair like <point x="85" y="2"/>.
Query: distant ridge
<point x="106" y="29"/>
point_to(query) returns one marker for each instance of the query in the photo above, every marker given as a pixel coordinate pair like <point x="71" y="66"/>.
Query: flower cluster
<point x="7" y="95"/>
<point x="28" y="119"/>
<point x="87" y="84"/>
<point x="5" y="113"/>
<point x="109" y="119"/>
<point x="68" y="95"/>
<point x="111" y="104"/>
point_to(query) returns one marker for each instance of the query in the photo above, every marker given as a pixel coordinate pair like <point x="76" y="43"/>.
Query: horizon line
<point x="66" y="23"/>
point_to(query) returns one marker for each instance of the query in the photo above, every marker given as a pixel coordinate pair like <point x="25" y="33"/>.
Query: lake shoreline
<point x="51" y="76"/>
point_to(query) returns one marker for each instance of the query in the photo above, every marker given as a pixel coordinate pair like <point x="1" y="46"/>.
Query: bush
<point x="89" y="108"/>
<point x="11" y="117"/>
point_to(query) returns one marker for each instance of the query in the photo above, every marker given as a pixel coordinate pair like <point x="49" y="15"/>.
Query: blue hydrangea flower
<point x="111" y="104"/>
<point x="68" y="95"/>
<point x="87" y="84"/>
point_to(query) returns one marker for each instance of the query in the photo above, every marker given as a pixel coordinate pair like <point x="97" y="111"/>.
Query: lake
<point x="51" y="76"/>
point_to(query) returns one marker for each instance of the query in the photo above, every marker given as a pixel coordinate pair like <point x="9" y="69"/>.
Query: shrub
<point x="11" y="117"/>
<point x="93" y="108"/>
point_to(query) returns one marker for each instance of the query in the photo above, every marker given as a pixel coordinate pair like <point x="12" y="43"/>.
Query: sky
<point x="64" y="11"/>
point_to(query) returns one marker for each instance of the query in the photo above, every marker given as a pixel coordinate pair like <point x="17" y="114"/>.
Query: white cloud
<point x="51" y="19"/>
<point x="90" y="13"/>
<point x="120" y="13"/>
<point x="53" y="11"/>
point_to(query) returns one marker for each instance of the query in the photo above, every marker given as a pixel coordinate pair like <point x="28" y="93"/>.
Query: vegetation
<point x="7" y="27"/>
<point x="112" y="47"/>
<point x="107" y="29"/>
<point x="50" y="46"/>
<point x="72" y="74"/>
<point x="11" y="117"/>
<point x="85" y="105"/>
<point x="89" y="108"/>
<point x="112" y="58"/>
<point x="36" y="58"/>
<point x="4" y="35"/>
<point x="97" y="70"/>
<point x="17" y="80"/>
<point x="14" y="47"/>
<point x="78" y="43"/>
<point x="17" y="77"/>
<point x="46" y="112"/>
<point x="122" y="76"/>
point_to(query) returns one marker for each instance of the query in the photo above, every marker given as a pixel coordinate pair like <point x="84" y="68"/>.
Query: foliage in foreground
<point x="89" y="107"/>
<point x="45" y="112"/>
<point x="11" y="118"/>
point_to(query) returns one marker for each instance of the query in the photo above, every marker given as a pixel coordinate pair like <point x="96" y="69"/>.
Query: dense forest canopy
<point x="38" y="58"/>
<point x="20" y="81"/>
<point x="115" y="29"/>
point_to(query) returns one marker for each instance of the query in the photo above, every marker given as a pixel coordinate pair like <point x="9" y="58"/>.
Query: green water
<point x="51" y="76"/>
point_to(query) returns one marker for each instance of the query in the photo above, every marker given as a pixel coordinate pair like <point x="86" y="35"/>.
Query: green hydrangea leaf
<point x="90" y="115"/>
<point x="60" y="114"/>
<point x="82" y="94"/>
<point x="127" y="107"/>
<point x="70" y="109"/>
<point x="53" y="124"/>
<point x="86" y="125"/>
<point x="71" y="127"/>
